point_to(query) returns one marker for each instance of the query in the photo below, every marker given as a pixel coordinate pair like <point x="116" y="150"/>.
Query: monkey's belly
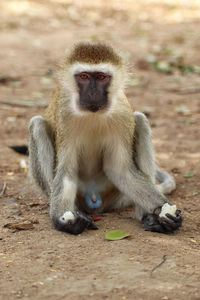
<point x="91" y="175"/>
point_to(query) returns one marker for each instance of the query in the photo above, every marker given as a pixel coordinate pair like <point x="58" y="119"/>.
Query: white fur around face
<point x="119" y="78"/>
<point x="82" y="67"/>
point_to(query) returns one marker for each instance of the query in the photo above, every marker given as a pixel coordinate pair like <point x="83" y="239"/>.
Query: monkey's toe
<point x="74" y="222"/>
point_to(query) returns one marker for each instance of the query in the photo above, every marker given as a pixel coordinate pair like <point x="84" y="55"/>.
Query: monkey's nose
<point x="92" y="96"/>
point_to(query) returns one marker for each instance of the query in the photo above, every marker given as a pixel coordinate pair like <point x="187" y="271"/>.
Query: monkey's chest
<point x="90" y="162"/>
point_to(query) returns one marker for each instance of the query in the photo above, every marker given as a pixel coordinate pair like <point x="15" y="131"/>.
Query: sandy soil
<point x="42" y="263"/>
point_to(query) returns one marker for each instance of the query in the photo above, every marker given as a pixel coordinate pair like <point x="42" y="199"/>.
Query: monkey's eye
<point x="84" y="76"/>
<point x="102" y="77"/>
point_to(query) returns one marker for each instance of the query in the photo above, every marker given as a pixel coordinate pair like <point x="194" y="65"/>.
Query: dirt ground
<point x="42" y="263"/>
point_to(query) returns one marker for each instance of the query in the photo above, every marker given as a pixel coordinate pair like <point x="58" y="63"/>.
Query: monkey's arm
<point x="41" y="154"/>
<point x="63" y="211"/>
<point x="59" y="186"/>
<point x="136" y="186"/>
<point x="145" y="160"/>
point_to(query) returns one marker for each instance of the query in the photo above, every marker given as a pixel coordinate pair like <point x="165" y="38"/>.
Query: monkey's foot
<point x="167" y="224"/>
<point x="74" y="222"/>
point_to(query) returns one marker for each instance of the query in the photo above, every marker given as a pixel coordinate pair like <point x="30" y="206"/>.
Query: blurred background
<point x="160" y="41"/>
<point x="154" y="36"/>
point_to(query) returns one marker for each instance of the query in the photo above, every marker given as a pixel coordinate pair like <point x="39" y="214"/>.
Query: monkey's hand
<point x="168" y="224"/>
<point x="74" y="222"/>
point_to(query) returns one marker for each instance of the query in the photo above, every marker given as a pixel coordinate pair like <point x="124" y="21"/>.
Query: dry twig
<point x="25" y="103"/>
<point x="160" y="264"/>
<point x="185" y="91"/>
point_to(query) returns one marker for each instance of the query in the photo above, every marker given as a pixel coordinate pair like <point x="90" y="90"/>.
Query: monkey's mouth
<point x="94" y="107"/>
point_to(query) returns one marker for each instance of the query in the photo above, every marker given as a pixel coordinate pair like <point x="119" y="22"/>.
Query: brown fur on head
<point x="93" y="57"/>
<point x="94" y="53"/>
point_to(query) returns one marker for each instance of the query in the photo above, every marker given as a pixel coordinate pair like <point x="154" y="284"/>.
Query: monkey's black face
<point x="93" y="90"/>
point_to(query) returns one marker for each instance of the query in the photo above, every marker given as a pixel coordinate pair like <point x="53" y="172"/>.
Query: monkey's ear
<point x="21" y="149"/>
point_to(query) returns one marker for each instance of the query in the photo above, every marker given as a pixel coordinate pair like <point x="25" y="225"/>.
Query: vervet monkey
<point x="89" y="134"/>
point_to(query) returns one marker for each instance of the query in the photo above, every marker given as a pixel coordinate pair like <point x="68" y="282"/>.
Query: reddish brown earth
<point x="42" y="263"/>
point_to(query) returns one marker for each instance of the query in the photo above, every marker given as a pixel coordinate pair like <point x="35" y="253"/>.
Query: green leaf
<point x="189" y="174"/>
<point x="114" y="235"/>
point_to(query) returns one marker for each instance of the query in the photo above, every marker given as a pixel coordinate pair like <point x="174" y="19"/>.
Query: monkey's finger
<point x="171" y="218"/>
<point x="178" y="212"/>
<point x="167" y="220"/>
<point x="151" y="223"/>
<point x="169" y="225"/>
<point x="155" y="228"/>
<point x="87" y="220"/>
<point x="176" y="219"/>
<point x="92" y="226"/>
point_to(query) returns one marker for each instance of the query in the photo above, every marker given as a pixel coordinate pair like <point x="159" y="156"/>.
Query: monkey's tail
<point x="21" y="149"/>
<point x="165" y="182"/>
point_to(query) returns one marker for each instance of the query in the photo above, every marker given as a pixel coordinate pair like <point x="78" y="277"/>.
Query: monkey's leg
<point x="166" y="182"/>
<point x="140" y="191"/>
<point x="145" y="156"/>
<point x="41" y="154"/>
